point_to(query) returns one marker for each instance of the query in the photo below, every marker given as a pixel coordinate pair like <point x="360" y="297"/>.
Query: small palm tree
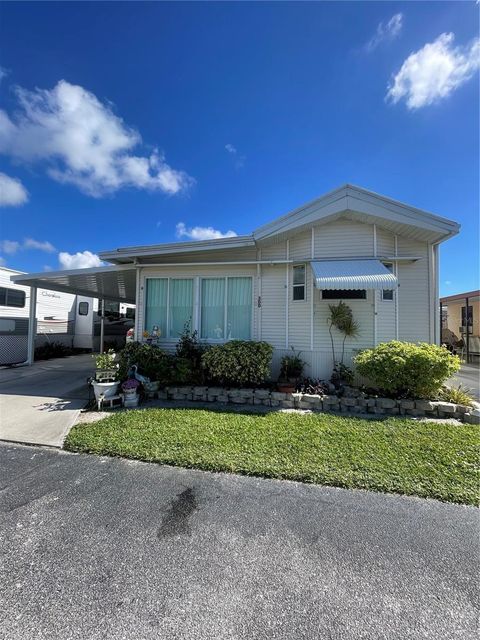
<point x="341" y="318"/>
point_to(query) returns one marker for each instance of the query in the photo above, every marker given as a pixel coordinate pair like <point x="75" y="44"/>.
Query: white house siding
<point x="276" y="251"/>
<point x="385" y="242"/>
<point x="273" y="309"/>
<point x="343" y="239"/>
<point x="413" y="293"/>
<point x="224" y="255"/>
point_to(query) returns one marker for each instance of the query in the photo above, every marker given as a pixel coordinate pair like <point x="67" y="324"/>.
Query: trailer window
<point x="83" y="308"/>
<point x="12" y="297"/>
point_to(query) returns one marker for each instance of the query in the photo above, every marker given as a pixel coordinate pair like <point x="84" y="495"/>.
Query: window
<point x="83" y="308"/>
<point x="299" y="282"/>
<point x="168" y="305"/>
<point x="226" y="308"/>
<point x="344" y="294"/>
<point x="467" y="319"/>
<point x="387" y="294"/>
<point x="12" y="297"/>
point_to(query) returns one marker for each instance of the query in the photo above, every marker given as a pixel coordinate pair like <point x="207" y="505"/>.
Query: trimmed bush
<point x="152" y="362"/>
<point x="407" y="370"/>
<point x="238" y="363"/>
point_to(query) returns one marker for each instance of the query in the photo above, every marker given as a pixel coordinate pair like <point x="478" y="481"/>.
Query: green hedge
<point x="404" y="369"/>
<point x="238" y="363"/>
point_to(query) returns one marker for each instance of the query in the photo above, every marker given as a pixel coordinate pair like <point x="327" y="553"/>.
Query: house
<point x="460" y="316"/>
<point x="378" y="255"/>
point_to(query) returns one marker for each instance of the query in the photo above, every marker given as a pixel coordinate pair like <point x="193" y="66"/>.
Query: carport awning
<point x="117" y="283"/>
<point x="352" y="274"/>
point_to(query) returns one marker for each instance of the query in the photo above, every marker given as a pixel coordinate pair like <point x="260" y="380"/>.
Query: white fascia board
<point x="235" y="242"/>
<point x="356" y="199"/>
<point x="46" y="275"/>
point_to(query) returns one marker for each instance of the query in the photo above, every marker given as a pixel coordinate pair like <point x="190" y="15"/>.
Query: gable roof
<point x="348" y="202"/>
<point x="358" y="204"/>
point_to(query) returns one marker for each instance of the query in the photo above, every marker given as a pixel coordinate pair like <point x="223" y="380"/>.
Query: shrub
<point x="238" y="363"/>
<point x="457" y="395"/>
<point x="105" y="360"/>
<point x="405" y="369"/>
<point x="291" y="366"/>
<point x="189" y="354"/>
<point x="52" y="350"/>
<point x="152" y="362"/>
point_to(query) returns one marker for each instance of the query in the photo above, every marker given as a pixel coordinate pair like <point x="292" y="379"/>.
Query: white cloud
<point x="202" y="233"/>
<point x="30" y="243"/>
<point x="3" y="262"/>
<point x="79" y="260"/>
<point x="386" y="31"/>
<point x="12" y="246"/>
<point x="47" y="267"/>
<point x="12" y="191"/>
<point x="434" y="72"/>
<point x="239" y="159"/>
<point x="3" y="73"/>
<point x="9" y="246"/>
<point x="83" y="143"/>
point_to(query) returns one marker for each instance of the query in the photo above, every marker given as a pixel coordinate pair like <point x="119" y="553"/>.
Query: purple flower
<point x="131" y="383"/>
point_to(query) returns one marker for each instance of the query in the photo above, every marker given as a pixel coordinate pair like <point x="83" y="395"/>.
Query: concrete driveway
<point x="39" y="404"/>
<point x="98" y="548"/>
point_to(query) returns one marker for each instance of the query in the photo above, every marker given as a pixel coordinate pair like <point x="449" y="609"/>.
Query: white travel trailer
<point x="72" y="320"/>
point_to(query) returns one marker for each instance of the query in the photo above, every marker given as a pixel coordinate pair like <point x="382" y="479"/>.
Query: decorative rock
<point x="304" y="405"/>
<point x="472" y="417"/>
<point x="331" y="399"/>
<point x="279" y="395"/>
<point x="447" y="407"/>
<point x="312" y="399"/>
<point x="178" y="396"/>
<point x="262" y="393"/>
<point x="348" y="402"/>
<point x="407" y="404"/>
<point x="371" y="402"/>
<point x="386" y="403"/>
<point x="233" y="393"/>
<point x="416" y="413"/>
<point x="222" y="398"/>
<point x="287" y="404"/>
<point x="162" y="395"/>
<point x="461" y="408"/>
<point x="424" y="405"/>
<point x="238" y="400"/>
<point x="246" y="393"/>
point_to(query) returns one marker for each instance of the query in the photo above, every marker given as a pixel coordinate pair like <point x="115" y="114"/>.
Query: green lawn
<point x="394" y="455"/>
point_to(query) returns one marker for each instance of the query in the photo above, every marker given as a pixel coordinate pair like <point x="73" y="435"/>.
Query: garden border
<point x="353" y="401"/>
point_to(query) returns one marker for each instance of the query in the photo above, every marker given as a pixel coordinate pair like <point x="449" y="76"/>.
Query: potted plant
<point x="291" y="367"/>
<point x="130" y="395"/>
<point x="105" y="383"/>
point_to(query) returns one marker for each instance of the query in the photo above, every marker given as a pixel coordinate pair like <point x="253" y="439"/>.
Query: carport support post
<point x="102" y="324"/>
<point x="32" y="328"/>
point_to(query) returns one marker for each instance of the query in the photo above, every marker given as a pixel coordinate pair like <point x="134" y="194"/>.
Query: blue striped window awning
<point x="352" y="274"/>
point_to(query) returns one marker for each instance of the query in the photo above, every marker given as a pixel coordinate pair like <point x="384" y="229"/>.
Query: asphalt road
<point x="106" y="548"/>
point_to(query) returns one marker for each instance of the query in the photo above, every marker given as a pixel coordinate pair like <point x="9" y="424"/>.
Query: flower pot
<point x="151" y="387"/>
<point x="286" y="387"/>
<point x="129" y="393"/>
<point x="105" y="375"/>
<point x="131" y="400"/>
<point x="105" y="389"/>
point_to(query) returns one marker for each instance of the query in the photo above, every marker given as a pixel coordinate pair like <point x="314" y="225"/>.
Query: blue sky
<point x="120" y="121"/>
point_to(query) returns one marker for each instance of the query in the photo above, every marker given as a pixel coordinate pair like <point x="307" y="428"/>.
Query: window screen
<point x="12" y="297"/>
<point x="344" y="294"/>
<point x="83" y="308"/>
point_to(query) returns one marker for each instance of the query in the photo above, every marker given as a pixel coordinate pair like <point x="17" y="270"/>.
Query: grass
<point x="424" y="459"/>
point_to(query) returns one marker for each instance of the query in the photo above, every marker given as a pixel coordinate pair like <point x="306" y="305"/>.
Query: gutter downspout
<point x="102" y="324"/>
<point x="375" y="291"/>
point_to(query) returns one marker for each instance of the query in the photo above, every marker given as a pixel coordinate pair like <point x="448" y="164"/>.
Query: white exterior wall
<point x="285" y="323"/>
<point x="414" y="312"/>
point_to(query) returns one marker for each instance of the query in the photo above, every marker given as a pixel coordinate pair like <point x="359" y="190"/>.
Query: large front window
<point x="169" y="306"/>
<point x="226" y="309"/>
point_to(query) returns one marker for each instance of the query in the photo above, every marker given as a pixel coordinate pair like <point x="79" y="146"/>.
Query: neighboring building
<point x="378" y="255"/>
<point x="460" y="317"/>
<point x="61" y="317"/>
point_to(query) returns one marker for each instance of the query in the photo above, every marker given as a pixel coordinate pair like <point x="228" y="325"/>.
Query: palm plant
<point x="341" y="318"/>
